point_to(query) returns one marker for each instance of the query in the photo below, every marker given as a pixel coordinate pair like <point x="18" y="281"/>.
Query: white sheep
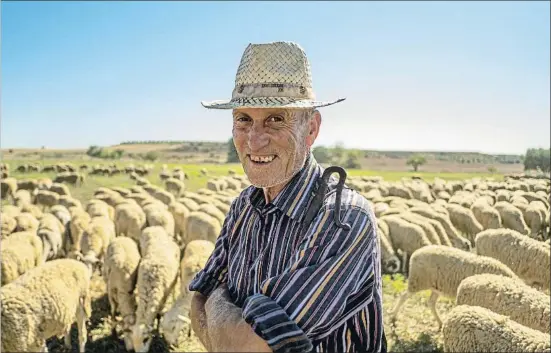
<point x="159" y="215"/>
<point x="530" y="259"/>
<point x="389" y="259"/>
<point x="202" y="226"/>
<point x="535" y="216"/>
<point x="180" y="213"/>
<point x="100" y="208"/>
<point x="177" y="318"/>
<point x="157" y="277"/>
<point x="8" y="224"/>
<point x="95" y="240"/>
<point x="212" y="210"/>
<point x="422" y="222"/>
<point x="80" y="220"/>
<point x="507" y="296"/>
<point x="130" y="219"/>
<point x="476" y="329"/>
<point x="405" y="236"/>
<point x="43" y="303"/>
<point x="441" y="269"/>
<point x="485" y="214"/>
<point x="120" y="271"/>
<point x="512" y="217"/>
<point x="456" y="240"/>
<point x="51" y="231"/>
<point x="21" y="252"/>
<point x="26" y="222"/>
<point x="464" y="220"/>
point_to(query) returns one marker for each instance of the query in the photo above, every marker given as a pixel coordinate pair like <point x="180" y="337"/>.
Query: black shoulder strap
<point x="321" y="191"/>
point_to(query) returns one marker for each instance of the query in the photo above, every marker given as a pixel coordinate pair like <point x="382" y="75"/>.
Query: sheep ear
<point x="184" y="318"/>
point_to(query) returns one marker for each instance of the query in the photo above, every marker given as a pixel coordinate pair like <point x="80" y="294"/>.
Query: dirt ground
<point x="415" y="329"/>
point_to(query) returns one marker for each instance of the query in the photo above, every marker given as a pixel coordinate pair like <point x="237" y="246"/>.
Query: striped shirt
<point x="302" y="287"/>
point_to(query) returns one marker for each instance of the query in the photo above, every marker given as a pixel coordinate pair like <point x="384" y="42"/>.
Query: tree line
<point x="537" y="159"/>
<point x="534" y="159"/>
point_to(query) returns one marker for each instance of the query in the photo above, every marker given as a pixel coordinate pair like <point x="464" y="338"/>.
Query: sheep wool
<point x="486" y="215"/>
<point x="21" y="252"/>
<point x="530" y="259"/>
<point x="456" y="240"/>
<point x="476" y="329"/>
<point x="43" y="303"/>
<point x="441" y="269"/>
<point x="507" y="296"/>
<point x="464" y="220"/>
<point x="389" y="260"/>
<point x="120" y="271"/>
<point x="129" y="220"/>
<point x="202" y="226"/>
<point x="512" y="217"/>
<point x="157" y="276"/>
<point x="177" y="318"/>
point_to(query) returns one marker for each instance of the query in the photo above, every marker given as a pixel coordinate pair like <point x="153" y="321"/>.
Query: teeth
<point x="262" y="159"/>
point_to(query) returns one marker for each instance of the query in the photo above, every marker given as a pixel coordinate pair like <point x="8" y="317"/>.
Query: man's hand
<point x="227" y="330"/>
<point x="199" y="319"/>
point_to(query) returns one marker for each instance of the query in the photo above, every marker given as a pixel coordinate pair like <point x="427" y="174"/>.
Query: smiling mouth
<point x="261" y="160"/>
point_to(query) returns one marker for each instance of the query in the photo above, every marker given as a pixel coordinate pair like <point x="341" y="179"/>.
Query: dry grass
<point x="414" y="330"/>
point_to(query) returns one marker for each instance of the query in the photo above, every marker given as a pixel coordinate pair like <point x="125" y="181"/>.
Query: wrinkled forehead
<point x="266" y="112"/>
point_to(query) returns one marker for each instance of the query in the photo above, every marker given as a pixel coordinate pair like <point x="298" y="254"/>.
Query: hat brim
<point x="268" y="102"/>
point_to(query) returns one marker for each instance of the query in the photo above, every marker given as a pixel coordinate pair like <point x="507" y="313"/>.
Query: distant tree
<point x="233" y="157"/>
<point x="118" y="153"/>
<point x="416" y="160"/>
<point x="322" y="154"/>
<point x="352" y="161"/>
<point x="537" y="158"/>
<point x="151" y="156"/>
<point x="492" y="169"/>
<point x="94" y="151"/>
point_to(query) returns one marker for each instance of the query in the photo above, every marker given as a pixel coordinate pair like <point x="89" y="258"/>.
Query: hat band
<point x="282" y="90"/>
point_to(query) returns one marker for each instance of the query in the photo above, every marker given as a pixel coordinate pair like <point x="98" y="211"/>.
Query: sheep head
<point x="141" y="337"/>
<point x="173" y="323"/>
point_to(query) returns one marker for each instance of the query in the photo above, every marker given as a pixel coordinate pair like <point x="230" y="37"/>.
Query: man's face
<point x="272" y="144"/>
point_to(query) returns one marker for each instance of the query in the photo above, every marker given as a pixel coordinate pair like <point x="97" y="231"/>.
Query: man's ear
<point x="314" y="124"/>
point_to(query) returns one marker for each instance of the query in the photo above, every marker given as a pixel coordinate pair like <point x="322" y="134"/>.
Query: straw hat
<point x="272" y="75"/>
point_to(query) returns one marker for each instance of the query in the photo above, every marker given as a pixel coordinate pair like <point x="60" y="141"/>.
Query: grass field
<point x="414" y="331"/>
<point x="198" y="180"/>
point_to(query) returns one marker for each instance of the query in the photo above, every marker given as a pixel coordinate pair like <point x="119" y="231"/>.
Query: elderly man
<point x="296" y="267"/>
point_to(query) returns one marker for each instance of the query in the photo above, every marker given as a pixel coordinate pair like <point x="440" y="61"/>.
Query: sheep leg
<point x="44" y="348"/>
<point x="401" y="302"/>
<point x="405" y="266"/>
<point x="113" y="305"/>
<point x="46" y="247"/>
<point x="68" y="337"/>
<point x="82" y="317"/>
<point x="432" y="304"/>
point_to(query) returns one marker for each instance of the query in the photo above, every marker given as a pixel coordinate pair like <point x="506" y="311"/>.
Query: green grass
<point x="428" y="176"/>
<point x="196" y="178"/>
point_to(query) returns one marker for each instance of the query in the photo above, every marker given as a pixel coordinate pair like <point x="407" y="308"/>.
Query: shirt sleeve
<point x="215" y="271"/>
<point x="309" y="298"/>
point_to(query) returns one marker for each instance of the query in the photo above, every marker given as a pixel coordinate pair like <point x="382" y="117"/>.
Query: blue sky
<point x="458" y="76"/>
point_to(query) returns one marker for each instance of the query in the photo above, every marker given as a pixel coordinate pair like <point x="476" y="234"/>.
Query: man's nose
<point x="258" y="138"/>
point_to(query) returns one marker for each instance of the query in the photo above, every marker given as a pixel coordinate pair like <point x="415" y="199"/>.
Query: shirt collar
<point x="295" y="197"/>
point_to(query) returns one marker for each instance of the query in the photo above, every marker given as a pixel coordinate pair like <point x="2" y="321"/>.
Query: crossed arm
<point x="305" y="301"/>
<point x="219" y="324"/>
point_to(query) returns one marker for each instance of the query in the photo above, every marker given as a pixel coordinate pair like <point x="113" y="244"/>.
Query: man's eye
<point x="242" y="119"/>
<point x="275" y="119"/>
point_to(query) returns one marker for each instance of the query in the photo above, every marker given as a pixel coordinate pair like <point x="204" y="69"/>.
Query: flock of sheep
<point x="143" y="240"/>
<point x="484" y="243"/>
